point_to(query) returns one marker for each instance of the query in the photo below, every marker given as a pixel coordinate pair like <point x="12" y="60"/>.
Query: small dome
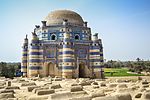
<point x="57" y="17"/>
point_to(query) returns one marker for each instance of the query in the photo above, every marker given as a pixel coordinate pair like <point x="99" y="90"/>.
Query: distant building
<point x="63" y="46"/>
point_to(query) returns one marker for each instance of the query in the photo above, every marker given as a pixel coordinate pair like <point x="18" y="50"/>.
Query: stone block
<point x="138" y="95"/>
<point x="12" y="87"/>
<point x="45" y="92"/>
<point x="55" y="86"/>
<point x="76" y="88"/>
<point x="8" y="83"/>
<point x="97" y="94"/>
<point x="7" y="91"/>
<point x="28" y="84"/>
<point x="40" y="88"/>
<point x="30" y="88"/>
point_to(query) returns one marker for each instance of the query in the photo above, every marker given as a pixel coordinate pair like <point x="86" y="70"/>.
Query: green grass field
<point x="110" y="72"/>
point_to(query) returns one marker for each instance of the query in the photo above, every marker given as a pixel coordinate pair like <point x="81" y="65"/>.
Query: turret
<point x="34" y="54"/>
<point x="85" y="24"/>
<point x="95" y="37"/>
<point x="67" y="54"/>
<point x="43" y="23"/>
<point x="24" y="62"/>
<point x="96" y="56"/>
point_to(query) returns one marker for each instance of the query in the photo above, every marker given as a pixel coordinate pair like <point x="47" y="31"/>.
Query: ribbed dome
<point x="57" y="17"/>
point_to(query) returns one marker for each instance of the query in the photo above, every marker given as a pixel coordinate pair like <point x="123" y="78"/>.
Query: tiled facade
<point x="63" y="46"/>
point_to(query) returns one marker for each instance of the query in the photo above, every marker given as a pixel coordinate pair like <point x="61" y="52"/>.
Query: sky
<point x="123" y="25"/>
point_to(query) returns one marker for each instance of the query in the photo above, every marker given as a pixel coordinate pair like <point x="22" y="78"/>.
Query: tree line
<point x="134" y="66"/>
<point x="9" y="70"/>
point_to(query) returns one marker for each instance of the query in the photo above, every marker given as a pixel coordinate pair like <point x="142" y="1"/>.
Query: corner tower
<point x="34" y="57"/>
<point x="96" y="57"/>
<point x="67" y="53"/>
<point x="24" y="62"/>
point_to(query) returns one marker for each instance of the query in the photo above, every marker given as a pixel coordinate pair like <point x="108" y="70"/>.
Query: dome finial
<point x="26" y="36"/>
<point x="33" y="33"/>
<point x="43" y="23"/>
<point x="65" y="21"/>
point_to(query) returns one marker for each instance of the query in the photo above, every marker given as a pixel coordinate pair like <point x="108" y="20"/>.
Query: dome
<point x="57" y="17"/>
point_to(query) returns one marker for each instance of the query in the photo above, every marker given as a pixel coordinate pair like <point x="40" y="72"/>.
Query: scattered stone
<point x="94" y="83"/>
<point x="102" y="84"/>
<point x="144" y="82"/>
<point x="12" y="87"/>
<point x="115" y="97"/>
<point x="7" y="91"/>
<point x="30" y="88"/>
<point x="45" y="92"/>
<point x="84" y="83"/>
<point x="138" y="95"/>
<point x="8" y="83"/>
<point x="55" y="86"/>
<point x="108" y="90"/>
<point x="95" y="86"/>
<point x="36" y="89"/>
<point x="76" y="88"/>
<point x="145" y="86"/>
<point x="74" y="84"/>
<point x="28" y="84"/>
<point x="124" y="96"/>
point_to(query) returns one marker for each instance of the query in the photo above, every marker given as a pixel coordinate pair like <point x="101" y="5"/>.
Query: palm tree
<point x="138" y="59"/>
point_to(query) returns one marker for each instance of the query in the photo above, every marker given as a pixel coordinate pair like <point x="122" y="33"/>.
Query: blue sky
<point x="123" y="25"/>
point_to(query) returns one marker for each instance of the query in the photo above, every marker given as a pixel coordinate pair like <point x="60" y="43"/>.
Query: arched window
<point x="77" y="37"/>
<point x="53" y="37"/>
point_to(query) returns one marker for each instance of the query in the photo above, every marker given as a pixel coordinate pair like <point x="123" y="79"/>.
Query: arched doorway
<point x="51" y="69"/>
<point x="82" y="70"/>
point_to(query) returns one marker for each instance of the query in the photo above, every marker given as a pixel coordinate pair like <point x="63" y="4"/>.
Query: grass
<point x="110" y="72"/>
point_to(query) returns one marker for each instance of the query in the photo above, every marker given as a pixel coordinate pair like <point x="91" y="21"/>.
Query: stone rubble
<point x="128" y="88"/>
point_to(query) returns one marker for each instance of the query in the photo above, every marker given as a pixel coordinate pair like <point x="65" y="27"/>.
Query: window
<point x="77" y="37"/>
<point x="53" y="37"/>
